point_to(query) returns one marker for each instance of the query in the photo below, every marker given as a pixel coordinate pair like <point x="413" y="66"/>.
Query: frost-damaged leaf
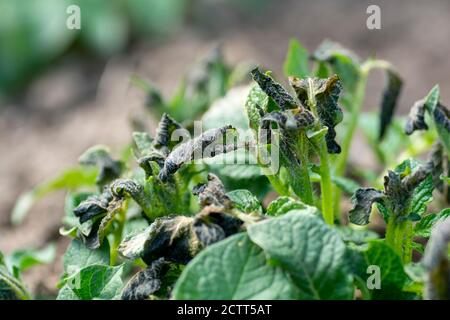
<point x="208" y="144"/>
<point x="391" y="93"/>
<point x="296" y="63"/>
<point x="326" y="95"/>
<point x="179" y="238"/>
<point x="100" y="156"/>
<point x="311" y="252"/>
<point x="212" y="193"/>
<point x="93" y="282"/>
<point x="166" y="127"/>
<point x="274" y="90"/>
<point x="437" y="263"/>
<point x="362" y="204"/>
<point x="416" y="118"/>
<point x="234" y="268"/>
<point x="425" y="225"/>
<point x="282" y="205"/>
<point x="145" y="282"/>
<point x="70" y="179"/>
<point x="245" y="201"/>
<point x="441" y="117"/>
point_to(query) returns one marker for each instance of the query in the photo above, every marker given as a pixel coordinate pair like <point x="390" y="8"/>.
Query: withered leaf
<point x="166" y="127"/>
<point x="326" y="95"/>
<point x="99" y="156"/>
<point x="437" y="263"/>
<point x="274" y="90"/>
<point x="212" y="193"/>
<point x="416" y="118"/>
<point x="391" y="93"/>
<point x="362" y="204"/>
<point x="145" y="282"/>
<point x="208" y="144"/>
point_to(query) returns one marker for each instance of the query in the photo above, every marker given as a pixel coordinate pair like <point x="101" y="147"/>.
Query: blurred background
<point x="62" y="91"/>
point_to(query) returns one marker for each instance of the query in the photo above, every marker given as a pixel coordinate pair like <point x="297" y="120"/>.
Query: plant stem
<point x="399" y="235"/>
<point x="355" y="110"/>
<point x="301" y="182"/>
<point x="326" y="186"/>
<point x="117" y="235"/>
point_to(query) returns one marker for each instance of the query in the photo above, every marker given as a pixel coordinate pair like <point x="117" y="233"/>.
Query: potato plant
<point x="257" y="205"/>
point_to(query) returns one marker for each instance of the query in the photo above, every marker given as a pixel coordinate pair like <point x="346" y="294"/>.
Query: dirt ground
<point x="78" y="103"/>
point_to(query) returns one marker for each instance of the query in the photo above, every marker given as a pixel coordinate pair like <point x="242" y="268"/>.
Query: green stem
<point x="399" y="235"/>
<point x="117" y="235"/>
<point x="326" y="186"/>
<point x="301" y="182"/>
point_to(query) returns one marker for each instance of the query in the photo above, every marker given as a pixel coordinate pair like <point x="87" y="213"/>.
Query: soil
<point x="79" y="102"/>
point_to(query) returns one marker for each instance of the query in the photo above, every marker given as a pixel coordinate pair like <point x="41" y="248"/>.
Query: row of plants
<point x="160" y="222"/>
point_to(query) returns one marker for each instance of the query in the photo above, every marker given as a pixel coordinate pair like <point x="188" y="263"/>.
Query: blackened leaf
<point x="362" y="204"/>
<point x="311" y="252"/>
<point x="437" y="263"/>
<point x="93" y="206"/>
<point x="425" y="225"/>
<point x="208" y="144"/>
<point x="212" y="193"/>
<point x="296" y="62"/>
<point x="245" y="201"/>
<point x="416" y="118"/>
<point x="235" y="268"/>
<point x="441" y="117"/>
<point x="389" y="101"/>
<point x="274" y="90"/>
<point x="166" y="127"/>
<point x="282" y="205"/>
<point x="326" y="94"/>
<point x="100" y="156"/>
<point x="145" y="282"/>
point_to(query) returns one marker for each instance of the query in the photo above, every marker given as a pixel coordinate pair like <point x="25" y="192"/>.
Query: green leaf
<point x="245" y="201"/>
<point x="393" y="277"/>
<point x="236" y="269"/>
<point x="313" y="253"/>
<point x="255" y="106"/>
<point x="69" y="179"/>
<point x="78" y="256"/>
<point x="282" y="205"/>
<point x="24" y="259"/>
<point x="422" y="195"/>
<point x="425" y="225"/>
<point x="94" y="282"/>
<point x="10" y="287"/>
<point x="296" y="62"/>
<point x="356" y="236"/>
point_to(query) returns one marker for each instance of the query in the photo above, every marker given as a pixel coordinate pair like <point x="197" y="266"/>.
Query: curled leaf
<point x="145" y="282"/>
<point x="93" y="206"/>
<point x="99" y="156"/>
<point x="362" y="204"/>
<point x="416" y="118"/>
<point x="212" y="193"/>
<point x="391" y="93"/>
<point x="166" y="127"/>
<point x="437" y="263"/>
<point x="325" y="93"/>
<point x="208" y="144"/>
<point x="274" y="90"/>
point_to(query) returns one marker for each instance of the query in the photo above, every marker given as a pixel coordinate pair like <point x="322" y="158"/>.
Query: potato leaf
<point x="78" y="256"/>
<point x="426" y="224"/>
<point x="22" y="260"/>
<point x="296" y="62"/>
<point x="282" y="205"/>
<point x="389" y="101"/>
<point x="311" y="252"/>
<point x="362" y="204"/>
<point x="235" y="268"/>
<point x="245" y="201"/>
<point x="436" y="262"/>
